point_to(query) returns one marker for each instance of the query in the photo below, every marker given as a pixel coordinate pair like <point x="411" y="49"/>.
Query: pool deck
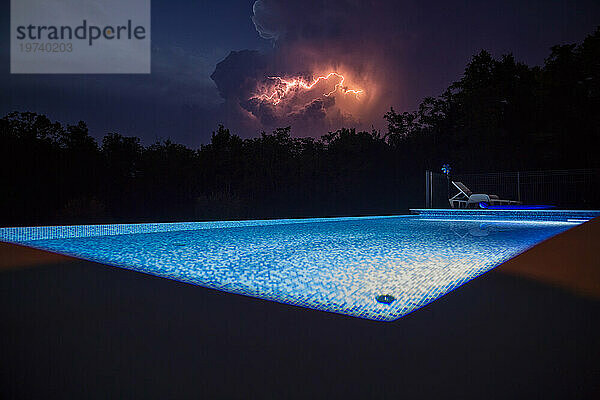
<point x="77" y="329"/>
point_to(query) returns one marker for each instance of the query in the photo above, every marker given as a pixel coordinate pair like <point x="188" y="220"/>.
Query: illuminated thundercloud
<point x="280" y="87"/>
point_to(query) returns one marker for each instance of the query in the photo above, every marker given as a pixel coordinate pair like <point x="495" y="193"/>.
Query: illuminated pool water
<point x="341" y="265"/>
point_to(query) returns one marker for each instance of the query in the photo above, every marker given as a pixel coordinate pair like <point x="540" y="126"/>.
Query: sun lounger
<point x="465" y="198"/>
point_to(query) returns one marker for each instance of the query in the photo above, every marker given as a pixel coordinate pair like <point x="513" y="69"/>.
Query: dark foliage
<point x="501" y="115"/>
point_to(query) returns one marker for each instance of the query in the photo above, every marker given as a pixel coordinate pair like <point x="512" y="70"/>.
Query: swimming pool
<point x="378" y="268"/>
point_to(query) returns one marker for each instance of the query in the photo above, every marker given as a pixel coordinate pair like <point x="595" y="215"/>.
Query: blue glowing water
<point x="340" y="265"/>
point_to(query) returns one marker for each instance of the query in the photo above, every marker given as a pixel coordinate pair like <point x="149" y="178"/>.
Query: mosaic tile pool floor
<point x="341" y="265"/>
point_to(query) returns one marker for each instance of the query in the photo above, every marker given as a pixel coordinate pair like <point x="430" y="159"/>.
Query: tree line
<point x="502" y="115"/>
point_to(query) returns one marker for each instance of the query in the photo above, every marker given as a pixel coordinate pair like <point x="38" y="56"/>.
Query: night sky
<point x="397" y="52"/>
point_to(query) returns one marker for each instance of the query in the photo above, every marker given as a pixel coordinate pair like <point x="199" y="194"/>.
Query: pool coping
<point x="30" y="233"/>
<point x="576" y="216"/>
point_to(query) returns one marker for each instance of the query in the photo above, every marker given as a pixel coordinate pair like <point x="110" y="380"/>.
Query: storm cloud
<point x="310" y="40"/>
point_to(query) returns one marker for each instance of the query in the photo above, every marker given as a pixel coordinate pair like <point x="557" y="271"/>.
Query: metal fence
<point x="575" y="188"/>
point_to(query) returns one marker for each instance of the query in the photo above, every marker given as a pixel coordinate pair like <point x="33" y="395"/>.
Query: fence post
<point x="518" y="186"/>
<point x="427" y="189"/>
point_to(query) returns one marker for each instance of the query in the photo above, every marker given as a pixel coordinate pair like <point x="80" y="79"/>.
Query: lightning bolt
<point x="284" y="86"/>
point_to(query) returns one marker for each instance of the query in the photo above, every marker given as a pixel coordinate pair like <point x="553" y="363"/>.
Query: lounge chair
<point x="465" y="198"/>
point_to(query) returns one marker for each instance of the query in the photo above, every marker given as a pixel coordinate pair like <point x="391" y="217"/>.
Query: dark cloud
<point x="265" y="21"/>
<point x="236" y="75"/>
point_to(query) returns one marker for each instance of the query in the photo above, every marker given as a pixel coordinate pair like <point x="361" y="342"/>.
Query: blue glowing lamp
<point x="446" y="169"/>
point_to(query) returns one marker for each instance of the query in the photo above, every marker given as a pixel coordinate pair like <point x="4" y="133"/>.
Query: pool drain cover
<point x="385" y="298"/>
